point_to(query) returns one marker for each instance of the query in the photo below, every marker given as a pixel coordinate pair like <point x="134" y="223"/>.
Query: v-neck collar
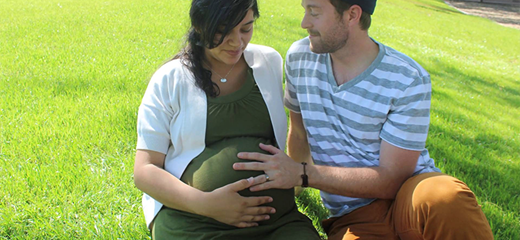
<point x="332" y="80"/>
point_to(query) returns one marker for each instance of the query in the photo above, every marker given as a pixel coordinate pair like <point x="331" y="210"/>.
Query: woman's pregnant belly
<point x="213" y="169"/>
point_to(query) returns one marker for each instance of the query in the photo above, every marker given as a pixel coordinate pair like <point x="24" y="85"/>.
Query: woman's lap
<point x="174" y="224"/>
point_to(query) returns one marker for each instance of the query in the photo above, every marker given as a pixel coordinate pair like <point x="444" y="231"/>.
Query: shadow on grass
<point x="444" y="9"/>
<point x="487" y="161"/>
<point x="429" y="7"/>
<point x="484" y="147"/>
<point x="491" y="179"/>
<point x="489" y="87"/>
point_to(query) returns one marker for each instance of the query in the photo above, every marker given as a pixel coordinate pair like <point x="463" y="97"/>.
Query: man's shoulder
<point x="301" y="51"/>
<point x="304" y="42"/>
<point x="300" y="46"/>
<point x="399" y="60"/>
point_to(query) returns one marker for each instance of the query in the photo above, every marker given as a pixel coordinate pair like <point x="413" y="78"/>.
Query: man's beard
<point x="332" y="42"/>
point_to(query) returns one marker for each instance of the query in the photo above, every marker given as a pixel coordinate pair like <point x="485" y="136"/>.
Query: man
<point x="360" y="113"/>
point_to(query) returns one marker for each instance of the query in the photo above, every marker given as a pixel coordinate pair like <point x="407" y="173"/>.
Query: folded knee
<point x="442" y="191"/>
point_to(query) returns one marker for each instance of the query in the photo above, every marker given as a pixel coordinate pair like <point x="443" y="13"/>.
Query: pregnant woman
<point x="219" y="96"/>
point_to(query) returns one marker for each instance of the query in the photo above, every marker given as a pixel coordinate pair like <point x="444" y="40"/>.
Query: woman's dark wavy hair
<point x="206" y="18"/>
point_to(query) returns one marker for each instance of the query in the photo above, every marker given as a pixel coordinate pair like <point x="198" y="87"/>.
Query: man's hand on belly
<point x="283" y="172"/>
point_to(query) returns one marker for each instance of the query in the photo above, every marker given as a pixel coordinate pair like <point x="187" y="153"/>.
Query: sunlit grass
<point x="72" y="74"/>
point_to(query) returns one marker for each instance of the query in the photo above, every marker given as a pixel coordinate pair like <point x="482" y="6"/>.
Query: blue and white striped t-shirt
<point x="345" y="124"/>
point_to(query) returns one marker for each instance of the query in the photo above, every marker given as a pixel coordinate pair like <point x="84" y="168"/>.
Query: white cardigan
<point x="172" y="115"/>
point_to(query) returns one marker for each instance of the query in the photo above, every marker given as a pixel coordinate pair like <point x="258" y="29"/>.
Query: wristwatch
<point x="305" y="178"/>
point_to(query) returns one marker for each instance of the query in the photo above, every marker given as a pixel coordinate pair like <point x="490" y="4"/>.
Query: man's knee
<point x="435" y="204"/>
<point x="442" y="190"/>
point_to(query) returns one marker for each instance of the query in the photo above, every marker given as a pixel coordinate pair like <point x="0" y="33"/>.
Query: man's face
<point x="327" y="31"/>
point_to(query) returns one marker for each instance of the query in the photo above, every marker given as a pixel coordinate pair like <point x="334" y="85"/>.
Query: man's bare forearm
<point x="298" y="149"/>
<point x="383" y="181"/>
<point x="364" y="182"/>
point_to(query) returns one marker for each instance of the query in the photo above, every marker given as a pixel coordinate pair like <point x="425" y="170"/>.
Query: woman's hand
<point x="227" y="206"/>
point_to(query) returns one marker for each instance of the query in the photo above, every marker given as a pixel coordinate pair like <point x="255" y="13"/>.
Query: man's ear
<point x="353" y="14"/>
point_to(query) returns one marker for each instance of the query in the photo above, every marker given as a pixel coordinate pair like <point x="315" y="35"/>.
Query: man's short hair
<point x="341" y="6"/>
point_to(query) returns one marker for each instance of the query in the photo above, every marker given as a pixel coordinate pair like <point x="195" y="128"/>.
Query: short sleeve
<point x="409" y="117"/>
<point x="290" y="97"/>
<point x="155" y="115"/>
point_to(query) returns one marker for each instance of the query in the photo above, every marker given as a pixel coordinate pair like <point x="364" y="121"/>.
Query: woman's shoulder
<point x="260" y="48"/>
<point x="169" y="67"/>
<point x="171" y="71"/>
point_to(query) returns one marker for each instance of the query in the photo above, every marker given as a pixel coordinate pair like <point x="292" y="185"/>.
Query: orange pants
<point x="428" y="206"/>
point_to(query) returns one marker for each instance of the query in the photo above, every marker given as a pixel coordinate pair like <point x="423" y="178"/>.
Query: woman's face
<point x="231" y="49"/>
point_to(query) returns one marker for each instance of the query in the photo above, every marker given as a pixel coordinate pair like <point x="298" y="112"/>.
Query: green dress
<point x="237" y="122"/>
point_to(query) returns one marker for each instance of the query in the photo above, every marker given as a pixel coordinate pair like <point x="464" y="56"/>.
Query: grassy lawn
<point x="72" y="74"/>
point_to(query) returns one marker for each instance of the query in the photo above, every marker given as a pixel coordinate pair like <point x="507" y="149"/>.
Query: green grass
<point x="72" y="74"/>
